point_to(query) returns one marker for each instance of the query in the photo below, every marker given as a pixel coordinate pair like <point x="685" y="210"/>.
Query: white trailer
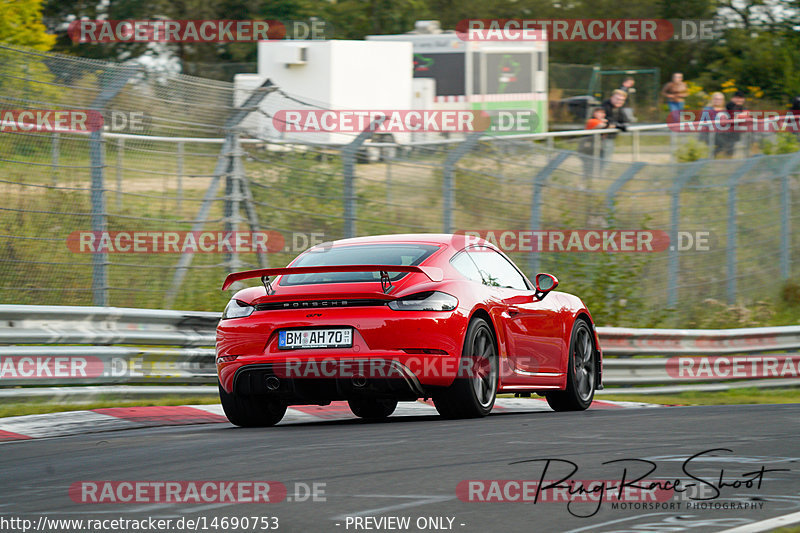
<point x="339" y="75"/>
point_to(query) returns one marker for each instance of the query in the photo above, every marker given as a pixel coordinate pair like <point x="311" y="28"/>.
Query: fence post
<point x="635" y="148"/>
<point x="536" y="203"/>
<point x="733" y="183"/>
<point x="233" y="198"/>
<point x="388" y="180"/>
<point x="249" y="206"/>
<point x="349" y="153"/>
<point x="786" y="212"/>
<point x="448" y="178"/>
<point x="180" y="175"/>
<point x="691" y="170"/>
<point x="712" y="143"/>
<point x="673" y="146"/>
<point x="120" y="153"/>
<point x="117" y="78"/>
<point x="99" y="259"/>
<point x="54" y="154"/>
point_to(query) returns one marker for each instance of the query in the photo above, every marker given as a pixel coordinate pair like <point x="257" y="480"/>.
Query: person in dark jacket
<point x="616" y="117"/>
<point x="734" y="108"/>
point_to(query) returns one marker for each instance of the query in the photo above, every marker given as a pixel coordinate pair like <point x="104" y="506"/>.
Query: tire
<point x="581" y="372"/>
<point x="473" y="396"/>
<point x="372" y="408"/>
<point x="251" y="411"/>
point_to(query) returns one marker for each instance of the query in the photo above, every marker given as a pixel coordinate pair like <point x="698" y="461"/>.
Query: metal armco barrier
<point x="112" y="348"/>
<point x="629" y="341"/>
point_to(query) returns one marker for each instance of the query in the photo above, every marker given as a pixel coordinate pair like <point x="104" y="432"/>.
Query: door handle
<point x="512" y="311"/>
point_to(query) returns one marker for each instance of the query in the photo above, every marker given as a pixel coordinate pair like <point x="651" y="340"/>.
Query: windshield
<point x="363" y="254"/>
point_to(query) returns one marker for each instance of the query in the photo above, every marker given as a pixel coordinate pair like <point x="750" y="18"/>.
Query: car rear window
<point x="358" y="254"/>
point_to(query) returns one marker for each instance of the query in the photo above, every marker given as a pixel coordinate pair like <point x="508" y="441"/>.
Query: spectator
<point x="616" y="117"/>
<point x="586" y="146"/>
<point x="715" y="106"/>
<point x="794" y="109"/>
<point x="674" y="92"/>
<point x="628" y="86"/>
<point x="597" y="120"/>
<point x="735" y="108"/>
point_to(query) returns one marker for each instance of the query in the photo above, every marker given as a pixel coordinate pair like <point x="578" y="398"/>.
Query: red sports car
<point x="377" y="320"/>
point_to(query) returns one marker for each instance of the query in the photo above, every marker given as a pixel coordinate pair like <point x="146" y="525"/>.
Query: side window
<point x="496" y="270"/>
<point x="466" y="267"/>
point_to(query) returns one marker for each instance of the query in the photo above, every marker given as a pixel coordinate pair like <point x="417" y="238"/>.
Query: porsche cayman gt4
<point x="382" y="319"/>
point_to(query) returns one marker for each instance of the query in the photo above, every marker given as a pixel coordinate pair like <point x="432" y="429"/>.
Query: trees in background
<point x="21" y="24"/>
<point x="760" y="46"/>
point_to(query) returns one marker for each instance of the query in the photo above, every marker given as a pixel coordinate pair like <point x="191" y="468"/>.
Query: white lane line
<point x="417" y="501"/>
<point x="214" y="408"/>
<point x="66" y="423"/>
<point x="766" y="525"/>
<point x="295" y="416"/>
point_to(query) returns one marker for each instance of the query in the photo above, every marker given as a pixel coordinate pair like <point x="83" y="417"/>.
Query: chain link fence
<point x="190" y="166"/>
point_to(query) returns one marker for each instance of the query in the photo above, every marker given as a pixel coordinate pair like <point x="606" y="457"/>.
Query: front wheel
<point x="472" y="395"/>
<point x="251" y="411"/>
<point x="372" y="408"/>
<point x="581" y="372"/>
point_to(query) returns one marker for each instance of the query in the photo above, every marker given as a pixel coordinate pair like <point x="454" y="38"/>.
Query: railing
<point x="89" y="351"/>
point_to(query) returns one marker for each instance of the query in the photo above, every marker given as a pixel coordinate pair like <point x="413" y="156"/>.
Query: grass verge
<point x="729" y="397"/>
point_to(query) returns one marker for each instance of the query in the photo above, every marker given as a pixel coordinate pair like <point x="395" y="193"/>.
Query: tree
<point x="21" y="24"/>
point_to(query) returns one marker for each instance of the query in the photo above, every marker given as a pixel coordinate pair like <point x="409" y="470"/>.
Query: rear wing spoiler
<point x="433" y="273"/>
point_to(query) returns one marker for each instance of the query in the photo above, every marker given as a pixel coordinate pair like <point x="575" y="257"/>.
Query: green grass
<point x="35" y="407"/>
<point x="730" y="397"/>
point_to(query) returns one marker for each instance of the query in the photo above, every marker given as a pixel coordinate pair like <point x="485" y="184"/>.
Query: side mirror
<point x="544" y="283"/>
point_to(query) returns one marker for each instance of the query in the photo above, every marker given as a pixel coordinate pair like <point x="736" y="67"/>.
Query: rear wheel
<point x="372" y="408"/>
<point x="251" y="411"/>
<point x="581" y="373"/>
<point x="472" y="395"/>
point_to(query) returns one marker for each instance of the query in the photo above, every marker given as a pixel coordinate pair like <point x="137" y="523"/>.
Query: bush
<point x="693" y="150"/>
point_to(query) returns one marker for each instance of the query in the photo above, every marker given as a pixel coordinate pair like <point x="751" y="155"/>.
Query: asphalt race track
<point x="411" y="466"/>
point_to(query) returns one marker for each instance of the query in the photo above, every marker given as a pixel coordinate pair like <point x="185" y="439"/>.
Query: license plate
<point x="315" y="338"/>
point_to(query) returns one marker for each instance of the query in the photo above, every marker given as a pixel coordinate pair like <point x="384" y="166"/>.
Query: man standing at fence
<point x="674" y="92"/>
<point x="735" y="109"/>
<point x="616" y="117"/>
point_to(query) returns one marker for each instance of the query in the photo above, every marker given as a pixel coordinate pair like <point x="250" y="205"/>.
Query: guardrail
<point x="88" y="351"/>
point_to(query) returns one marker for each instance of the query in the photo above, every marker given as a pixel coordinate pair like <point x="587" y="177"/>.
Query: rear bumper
<point x="413" y="350"/>
<point x="274" y="380"/>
